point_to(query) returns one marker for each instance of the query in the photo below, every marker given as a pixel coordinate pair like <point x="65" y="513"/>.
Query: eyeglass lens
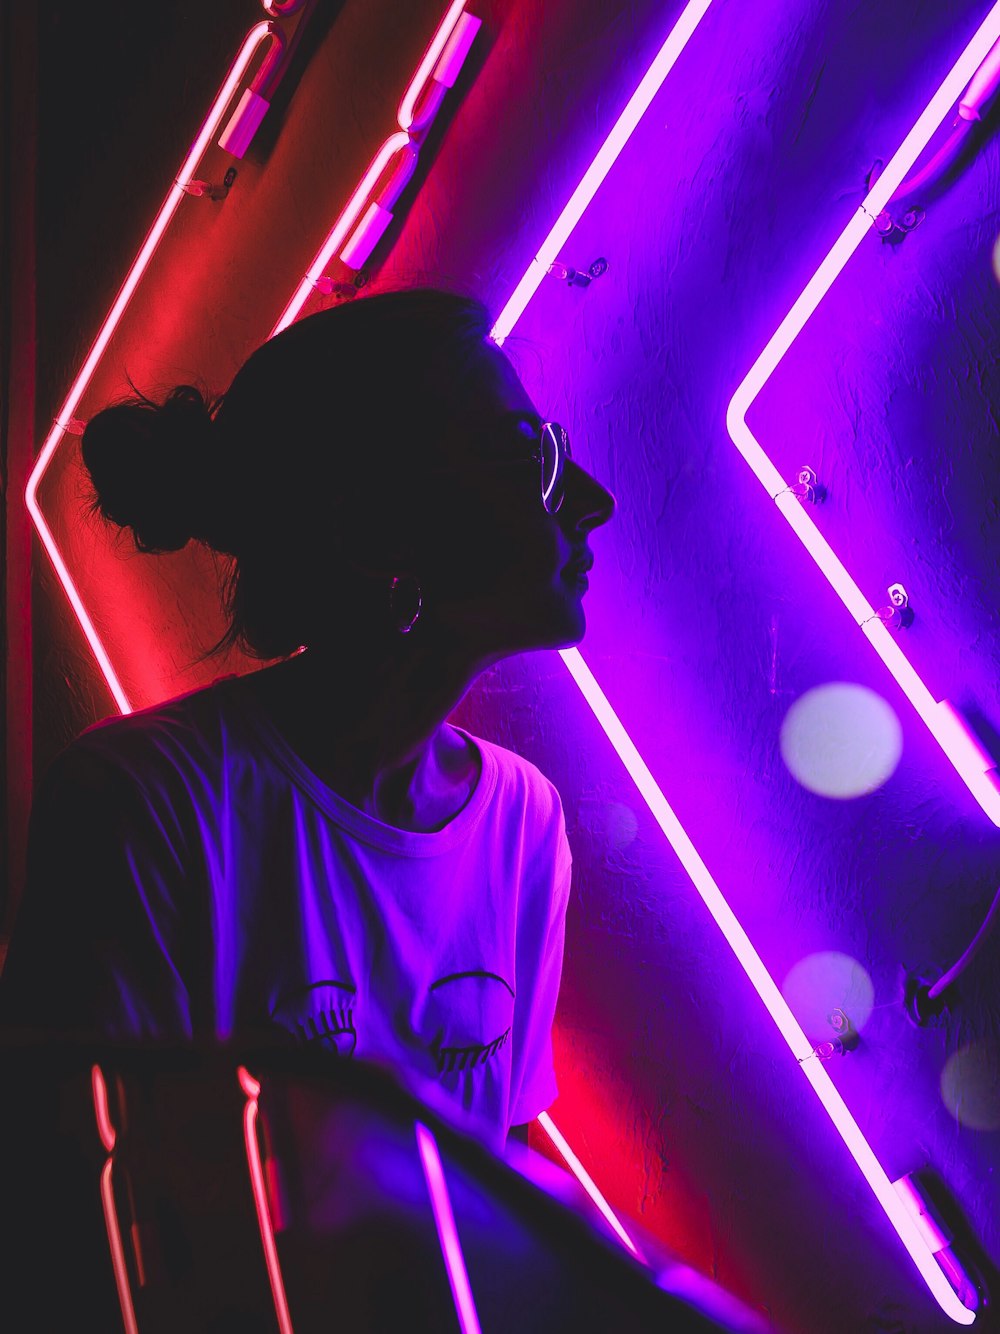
<point x="554" y="451"/>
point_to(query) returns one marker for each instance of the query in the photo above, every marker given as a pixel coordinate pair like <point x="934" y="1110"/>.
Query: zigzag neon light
<point x="800" y="1047"/>
<point x="64" y="419"/>
<point x="975" y="766"/>
<point x="435" y="74"/>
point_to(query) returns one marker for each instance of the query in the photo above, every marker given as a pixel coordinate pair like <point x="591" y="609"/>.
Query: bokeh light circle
<point x="841" y="740"/>
<point x="970" y="1086"/>
<point x="827" y="981"/>
<point x="996" y="259"/>
<point x="621" y="825"/>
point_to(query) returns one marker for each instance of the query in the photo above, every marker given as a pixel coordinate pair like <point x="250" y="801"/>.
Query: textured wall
<point x="707" y="621"/>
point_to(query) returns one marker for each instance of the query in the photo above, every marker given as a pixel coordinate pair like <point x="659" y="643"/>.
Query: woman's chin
<point x="555" y="623"/>
<point x="571" y="628"/>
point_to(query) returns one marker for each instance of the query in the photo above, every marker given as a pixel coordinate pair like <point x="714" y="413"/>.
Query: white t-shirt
<point x="189" y="877"/>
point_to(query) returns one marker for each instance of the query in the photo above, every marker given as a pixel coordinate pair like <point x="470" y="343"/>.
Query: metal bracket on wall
<point x="578" y="277"/>
<point x="898" y="615"/>
<point x="206" y="189"/>
<point x="846" y="1038"/>
<point x="847" y="1034"/>
<point x="340" y="290"/>
<point x="806" y="487"/>
<point x="893" y="230"/>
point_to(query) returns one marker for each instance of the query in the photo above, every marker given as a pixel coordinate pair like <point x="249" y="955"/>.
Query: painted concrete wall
<point x="708" y="624"/>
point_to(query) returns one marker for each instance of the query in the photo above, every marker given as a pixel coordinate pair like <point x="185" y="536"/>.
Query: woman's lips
<point x="579" y="566"/>
<point x="576" y="575"/>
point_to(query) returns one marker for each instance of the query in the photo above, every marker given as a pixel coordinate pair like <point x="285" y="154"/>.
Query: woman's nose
<point x="587" y="504"/>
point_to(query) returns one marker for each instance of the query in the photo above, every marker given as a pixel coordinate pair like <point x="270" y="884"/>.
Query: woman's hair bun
<point x="150" y="465"/>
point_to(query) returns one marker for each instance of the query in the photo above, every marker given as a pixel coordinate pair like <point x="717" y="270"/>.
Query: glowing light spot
<point x="970" y="1086"/>
<point x="620" y="824"/>
<point x="821" y="983"/>
<point x="841" y="740"/>
<point x="996" y="259"/>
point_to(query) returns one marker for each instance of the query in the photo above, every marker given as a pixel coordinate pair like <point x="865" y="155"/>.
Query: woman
<point x="312" y="849"/>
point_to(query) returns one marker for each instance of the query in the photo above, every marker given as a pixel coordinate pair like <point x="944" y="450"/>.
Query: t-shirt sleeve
<point x="96" y="950"/>
<point x="535" y="1085"/>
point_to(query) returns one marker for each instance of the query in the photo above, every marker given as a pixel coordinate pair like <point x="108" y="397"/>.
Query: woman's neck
<point x="374" y="729"/>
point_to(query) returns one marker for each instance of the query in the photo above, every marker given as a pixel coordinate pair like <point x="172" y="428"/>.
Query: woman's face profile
<point x="497" y="568"/>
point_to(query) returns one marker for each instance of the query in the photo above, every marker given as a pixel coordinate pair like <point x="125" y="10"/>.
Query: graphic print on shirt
<point x="468" y="1018"/>
<point x="321" y="1014"/>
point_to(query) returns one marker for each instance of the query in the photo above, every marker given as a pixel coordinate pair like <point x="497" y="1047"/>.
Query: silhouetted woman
<point x="312" y="845"/>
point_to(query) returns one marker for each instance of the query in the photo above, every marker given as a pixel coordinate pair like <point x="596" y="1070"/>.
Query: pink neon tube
<point x="251" y="1088"/>
<point x="362" y="195"/>
<point x="444" y="1221"/>
<point x="105" y="1128"/>
<point x="341" y="227"/>
<point x="982" y="86"/>
<point x="254" y="37"/>
<point x="587" y="1182"/>
<point x="369" y="230"/>
<point x="712" y="896"/>
<point x="117" y="1249"/>
<point x="106" y="1131"/>
<point x="607" y="154"/>
<point x="977" y="769"/>
<point x="407" y="107"/>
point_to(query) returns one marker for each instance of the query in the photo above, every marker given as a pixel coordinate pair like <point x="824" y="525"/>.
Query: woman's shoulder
<point x="519" y="778"/>
<point x="176" y="733"/>
<point x="529" y="816"/>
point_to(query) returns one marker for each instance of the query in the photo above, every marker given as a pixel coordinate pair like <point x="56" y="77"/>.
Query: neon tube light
<point x="373" y="198"/>
<point x="64" y="419"/>
<point x="253" y="105"/>
<point x="106" y="1133"/>
<point x="338" y="233"/>
<point x="799" y="1046"/>
<point x="407" y="107"/>
<point x="105" y="1128"/>
<point x="607" y="154"/>
<point x="444" y="1221"/>
<point x="117" y="1249"/>
<point x="982" y="86"/>
<point x="251" y="1088"/>
<point x="974" y="765"/>
<point x="370" y="229"/>
<point x="587" y="1182"/>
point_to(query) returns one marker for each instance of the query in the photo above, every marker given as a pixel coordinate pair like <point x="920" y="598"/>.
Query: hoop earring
<point x="406" y="602"/>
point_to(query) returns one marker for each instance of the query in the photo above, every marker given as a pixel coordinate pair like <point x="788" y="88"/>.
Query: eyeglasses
<point x="551" y="450"/>
<point x="548" y="448"/>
